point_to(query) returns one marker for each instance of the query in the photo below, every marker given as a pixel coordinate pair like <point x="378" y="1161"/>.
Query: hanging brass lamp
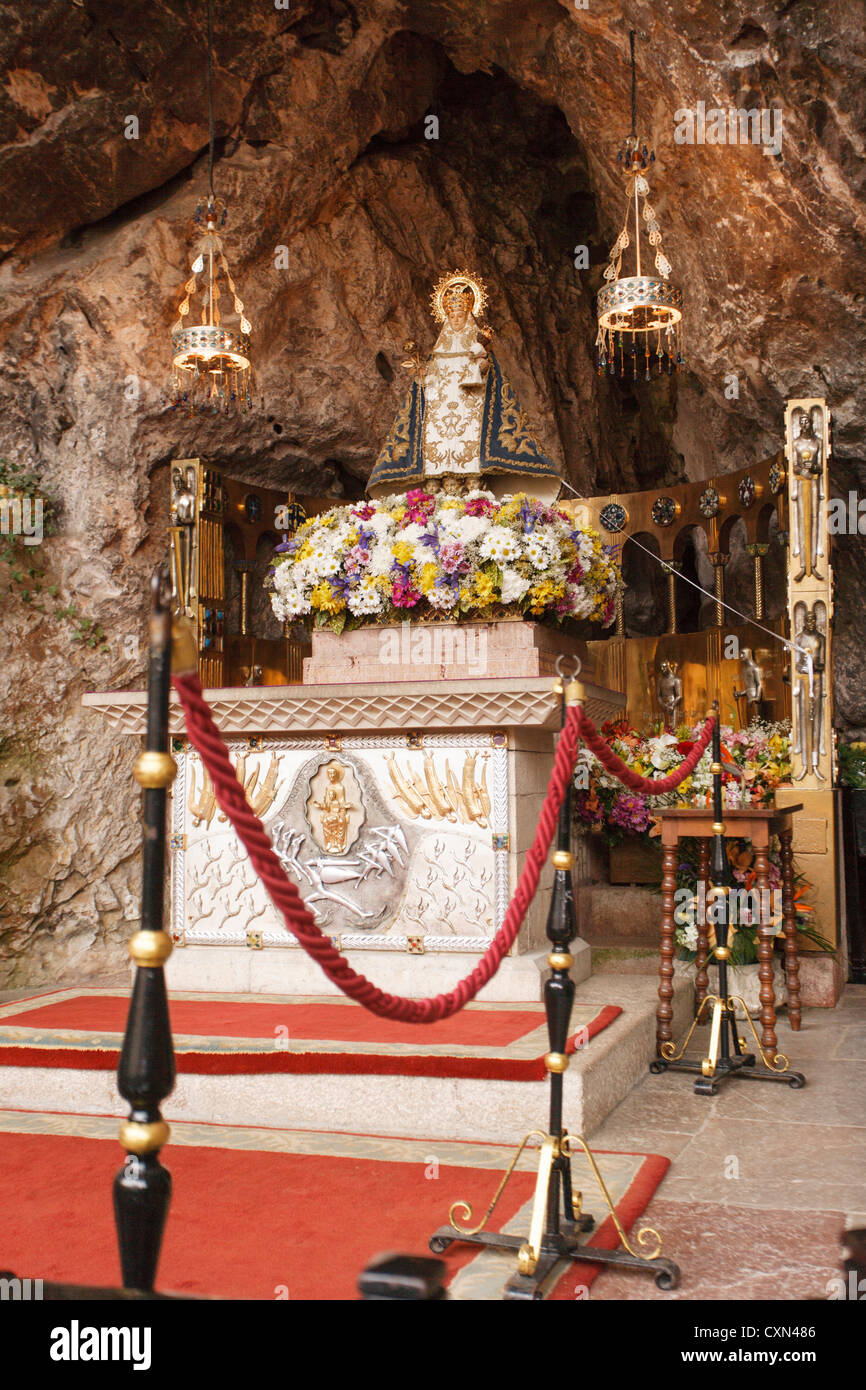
<point x="639" y="315"/>
<point x="211" y="370"/>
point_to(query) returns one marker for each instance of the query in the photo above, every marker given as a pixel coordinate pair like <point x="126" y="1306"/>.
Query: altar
<point x="401" y="808"/>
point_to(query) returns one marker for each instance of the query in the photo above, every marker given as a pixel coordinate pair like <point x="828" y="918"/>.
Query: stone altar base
<point x="402" y="810"/>
<point x="440" y="651"/>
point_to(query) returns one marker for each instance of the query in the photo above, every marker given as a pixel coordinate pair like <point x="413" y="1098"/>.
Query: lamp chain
<point x="210" y="119"/>
<point x="631" y="33"/>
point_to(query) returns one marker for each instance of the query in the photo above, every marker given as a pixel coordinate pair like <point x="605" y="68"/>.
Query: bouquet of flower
<point x="603" y="805"/>
<point x="743" y="936"/>
<point x="423" y="556"/>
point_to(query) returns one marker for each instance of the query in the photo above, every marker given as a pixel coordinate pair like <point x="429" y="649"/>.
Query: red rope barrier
<point x="206" y="738"/>
<point x="629" y="778"/>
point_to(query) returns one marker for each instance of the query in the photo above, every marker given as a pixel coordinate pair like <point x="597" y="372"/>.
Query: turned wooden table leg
<point x="665" y="1013"/>
<point x="792" y="960"/>
<point x="765" y="954"/>
<point x="701" y="979"/>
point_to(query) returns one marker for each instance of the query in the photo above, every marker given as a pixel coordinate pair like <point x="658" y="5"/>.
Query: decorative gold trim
<point x="184" y="648"/>
<point x="475" y="283"/>
<point x="140" y="1138"/>
<point x="556" y="1062"/>
<point x="527" y="1255"/>
<point x="467" y="1209"/>
<point x="668" y="1050"/>
<point x="152" y="769"/>
<point x="562" y="859"/>
<point x="645" y="1234"/>
<point x="560" y="960"/>
<point x="779" y="1062"/>
<point x="150" y="948"/>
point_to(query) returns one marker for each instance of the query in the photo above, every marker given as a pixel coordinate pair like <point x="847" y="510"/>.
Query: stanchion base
<point x="554" y="1248"/>
<point x="743" y="1066"/>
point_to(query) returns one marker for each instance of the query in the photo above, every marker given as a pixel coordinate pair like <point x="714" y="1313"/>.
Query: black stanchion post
<point x="146" y="1072"/>
<point x="557" y="1222"/>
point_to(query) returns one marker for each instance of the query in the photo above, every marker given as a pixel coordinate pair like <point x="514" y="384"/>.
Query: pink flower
<point x="404" y="595"/>
<point x="480" y="506"/>
<point x="452" y="558"/>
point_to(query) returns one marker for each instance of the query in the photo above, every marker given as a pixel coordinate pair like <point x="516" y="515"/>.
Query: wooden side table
<point x="757" y="824"/>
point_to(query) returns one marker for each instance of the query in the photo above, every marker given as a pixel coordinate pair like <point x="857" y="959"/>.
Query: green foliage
<point x="852" y="765"/>
<point x="26" y="575"/>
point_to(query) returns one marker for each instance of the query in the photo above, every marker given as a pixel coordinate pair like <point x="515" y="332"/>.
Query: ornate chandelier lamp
<point x="211" y="363"/>
<point x="639" y="315"/>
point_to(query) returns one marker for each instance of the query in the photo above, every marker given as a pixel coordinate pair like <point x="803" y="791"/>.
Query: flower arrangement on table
<point x="460" y="558"/>
<point x="743" y="937"/>
<point x="604" y="806"/>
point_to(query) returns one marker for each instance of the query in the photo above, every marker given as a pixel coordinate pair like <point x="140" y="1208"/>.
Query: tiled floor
<point x="763" y="1178"/>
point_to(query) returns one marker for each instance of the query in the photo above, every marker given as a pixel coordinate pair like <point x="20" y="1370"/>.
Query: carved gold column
<point x="672" y="569"/>
<point x="758" y="553"/>
<point x="719" y="559"/>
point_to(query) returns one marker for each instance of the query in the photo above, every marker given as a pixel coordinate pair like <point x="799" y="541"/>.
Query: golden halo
<point x="459" y="277"/>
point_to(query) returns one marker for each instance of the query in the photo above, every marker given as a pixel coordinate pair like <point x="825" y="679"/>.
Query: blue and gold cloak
<point x="507" y="442"/>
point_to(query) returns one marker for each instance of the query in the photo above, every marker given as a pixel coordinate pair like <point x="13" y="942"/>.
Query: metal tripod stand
<point x="557" y="1221"/>
<point x="727" y="1057"/>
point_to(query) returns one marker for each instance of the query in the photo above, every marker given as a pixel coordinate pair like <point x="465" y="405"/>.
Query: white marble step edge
<point x="598" y="1078"/>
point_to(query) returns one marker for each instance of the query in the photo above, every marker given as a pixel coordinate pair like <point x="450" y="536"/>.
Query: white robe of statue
<point x="454" y="401"/>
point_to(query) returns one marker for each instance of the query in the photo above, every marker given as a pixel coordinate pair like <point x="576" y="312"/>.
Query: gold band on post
<point x="556" y="1061"/>
<point x="562" y="859"/>
<point x="719" y="827"/>
<point x="716" y="769"/>
<point x="560" y="960"/>
<point x="150" y="948"/>
<point x="139" y="1138"/>
<point x="574" y="693"/>
<point x="153" y="769"/>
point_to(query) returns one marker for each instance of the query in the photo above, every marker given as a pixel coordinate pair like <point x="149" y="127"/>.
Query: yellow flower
<point x="485" y="591"/>
<point x="398" y="514"/>
<point x="402" y="551"/>
<point x="305" y="551"/>
<point x="540" y="595"/>
<point x="427" y="577"/>
<point x="327" y="599"/>
<point x="326" y="519"/>
<point x="451" y="504"/>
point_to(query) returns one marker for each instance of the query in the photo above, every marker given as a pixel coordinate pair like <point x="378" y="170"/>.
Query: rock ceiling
<point x="321" y="123"/>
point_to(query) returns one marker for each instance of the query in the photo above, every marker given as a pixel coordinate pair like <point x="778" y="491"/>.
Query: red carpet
<point x="244" y="1034"/>
<point x="247" y="1224"/>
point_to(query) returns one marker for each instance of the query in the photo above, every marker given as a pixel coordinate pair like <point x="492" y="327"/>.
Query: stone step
<point x="615" y="957"/>
<point x="599" y="1077"/>
<point x="614" y="914"/>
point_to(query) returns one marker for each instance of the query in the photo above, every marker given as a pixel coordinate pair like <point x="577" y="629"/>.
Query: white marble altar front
<point x="443" y="781"/>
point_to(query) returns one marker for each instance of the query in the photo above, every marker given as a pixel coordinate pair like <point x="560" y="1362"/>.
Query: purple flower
<point x="452" y="558"/>
<point x="631" y="812"/>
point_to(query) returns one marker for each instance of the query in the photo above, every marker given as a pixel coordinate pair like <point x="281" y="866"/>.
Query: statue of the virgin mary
<point x="461" y="425"/>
